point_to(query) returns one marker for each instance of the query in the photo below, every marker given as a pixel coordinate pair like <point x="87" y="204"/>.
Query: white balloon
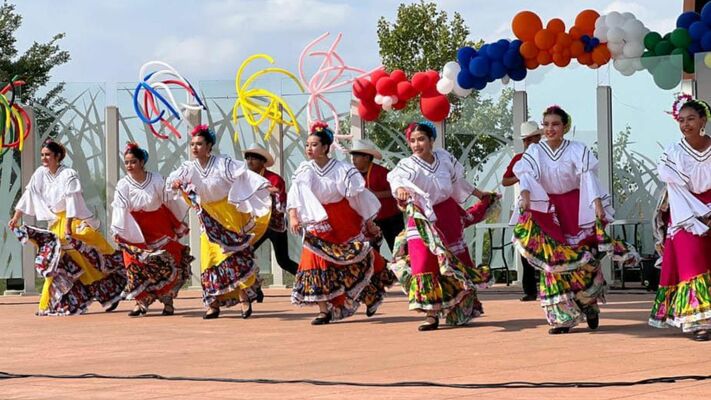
<point x="633" y="49"/>
<point x="628" y="16"/>
<point x="388" y="107"/>
<point x="395" y="99"/>
<point x="622" y="64"/>
<point x="615" y="48"/>
<point x="634" y="29"/>
<point x="445" y="85"/>
<point x="637" y="63"/>
<point x="615" y="34"/>
<point x="387" y="102"/>
<point x="379" y="99"/>
<point x="599" y="22"/>
<point x="601" y="33"/>
<point x="461" y="92"/>
<point x="614" y="19"/>
<point x="628" y="72"/>
<point x="505" y="80"/>
<point x="450" y="70"/>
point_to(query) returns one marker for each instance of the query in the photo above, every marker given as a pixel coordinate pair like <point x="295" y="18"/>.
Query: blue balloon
<point x="694" y="47"/>
<point x="585" y="39"/>
<point x="518" y="74"/>
<point x="706" y="14"/>
<point x="484" y="49"/>
<point x="498" y="70"/>
<point x="697" y="30"/>
<point x="479" y="83"/>
<point x="496" y="50"/>
<point x="465" y="79"/>
<point x="512" y="59"/>
<point x="706" y="41"/>
<point x="594" y="42"/>
<point x="515" y="44"/>
<point x="479" y="66"/>
<point x="686" y="19"/>
<point x="465" y="55"/>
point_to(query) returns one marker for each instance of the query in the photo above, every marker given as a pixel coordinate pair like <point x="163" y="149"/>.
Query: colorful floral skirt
<point x="77" y="271"/>
<point x="336" y="262"/>
<point x="571" y="282"/>
<point x="434" y="267"/>
<point x="684" y="296"/>
<point x="374" y="292"/>
<point x="226" y="256"/>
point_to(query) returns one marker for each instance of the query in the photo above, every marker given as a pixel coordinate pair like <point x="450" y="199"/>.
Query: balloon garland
<point x="154" y="106"/>
<point x="327" y="78"/>
<point x="14" y="121"/>
<point x="250" y="101"/>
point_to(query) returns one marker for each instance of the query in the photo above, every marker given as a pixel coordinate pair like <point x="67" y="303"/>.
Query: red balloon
<point x="368" y="111"/>
<point x="400" y="104"/>
<point x="375" y="76"/>
<point x="405" y="91"/>
<point x="363" y="89"/>
<point x="420" y="81"/>
<point x="398" y="76"/>
<point x="386" y="86"/>
<point x="435" y="108"/>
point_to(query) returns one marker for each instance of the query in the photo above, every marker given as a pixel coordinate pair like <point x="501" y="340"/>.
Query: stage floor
<point x="509" y="343"/>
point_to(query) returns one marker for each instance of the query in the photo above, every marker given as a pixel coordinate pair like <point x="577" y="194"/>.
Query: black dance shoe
<point x="558" y="331"/>
<point x="321" y="319"/>
<point x="431" y="323"/>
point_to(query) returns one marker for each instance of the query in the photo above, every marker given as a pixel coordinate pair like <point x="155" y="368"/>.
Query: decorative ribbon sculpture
<point x="327" y="78"/>
<point x="15" y="123"/>
<point x="153" y="109"/>
<point x="250" y="101"/>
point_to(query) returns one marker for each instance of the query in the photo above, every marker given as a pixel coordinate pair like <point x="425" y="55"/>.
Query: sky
<point x="207" y="40"/>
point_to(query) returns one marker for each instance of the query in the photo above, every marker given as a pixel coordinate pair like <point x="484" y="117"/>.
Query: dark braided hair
<point x="56" y="148"/>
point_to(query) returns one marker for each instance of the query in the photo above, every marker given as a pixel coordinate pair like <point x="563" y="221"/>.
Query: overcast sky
<point x="207" y="40"/>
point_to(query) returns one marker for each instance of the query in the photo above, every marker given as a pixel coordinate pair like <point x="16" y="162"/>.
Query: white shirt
<point x="571" y="166"/>
<point x="148" y="196"/>
<point x="48" y="194"/>
<point x="313" y="186"/>
<point x="222" y="178"/>
<point x="686" y="171"/>
<point x="431" y="184"/>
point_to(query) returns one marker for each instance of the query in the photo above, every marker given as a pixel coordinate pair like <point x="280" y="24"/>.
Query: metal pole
<point x="111" y="137"/>
<point x="194" y="118"/>
<point x="604" y="149"/>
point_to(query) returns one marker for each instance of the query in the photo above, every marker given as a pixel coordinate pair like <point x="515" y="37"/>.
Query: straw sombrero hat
<point x="530" y="128"/>
<point x="260" y="151"/>
<point x="365" y="146"/>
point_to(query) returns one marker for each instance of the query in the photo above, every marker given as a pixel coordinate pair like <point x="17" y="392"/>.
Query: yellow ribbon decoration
<point x="249" y="100"/>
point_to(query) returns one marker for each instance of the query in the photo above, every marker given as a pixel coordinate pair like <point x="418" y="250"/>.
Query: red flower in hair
<point x="199" y="129"/>
<point x="318" y="126"/>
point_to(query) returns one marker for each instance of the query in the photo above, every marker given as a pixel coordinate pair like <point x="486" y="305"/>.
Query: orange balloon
<point x="577" y="48"/>
<point x="528" y="50"/>
<point x="531" y="63"/>
<point x="561" y="60"/>
<point x="544" y="58"/>
<point x="585" y="58"/>
<point x="556" y="25"/>
<point x="585" y="21"/>
<point x="566" y="53"/>
<point x="525" y="25"/>
<point x="601" y="55"/>
<point x="563" y="39"/>
<point x="545" y="39"/>
<point x="575" y="33"/>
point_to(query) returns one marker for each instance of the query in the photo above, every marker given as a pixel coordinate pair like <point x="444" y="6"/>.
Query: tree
<point x="423" y="37"/>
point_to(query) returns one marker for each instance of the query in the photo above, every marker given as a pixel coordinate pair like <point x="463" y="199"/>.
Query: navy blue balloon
<point x="706" y="14"/>
<point x="479" y="66"/>
<point x="498" y="70"/>
<point x="496" y="51"/>
<point x="515" y="44"/>
<point x="518" y="74"/>
<point x="465" y="79"/>
<point x="512" y="59"/>
<point x="479" y="83"/>
<point x="694" y="47"/>
<point x="585" y="39"/>
<point x="465" y="55"/>
<point x="706" y="40"/>
<point x="594" y="42"/>
<point x="697" y="30"/>
<point x="686" y="19"/>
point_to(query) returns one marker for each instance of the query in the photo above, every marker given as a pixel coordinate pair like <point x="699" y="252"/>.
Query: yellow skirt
<point x="211" y="254"/>
<point x="87" y="235"/>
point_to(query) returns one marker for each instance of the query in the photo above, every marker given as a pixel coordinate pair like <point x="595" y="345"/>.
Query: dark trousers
<point x="391" y="227"/>
<point x="529" y="282"/>
<point x="280" y="244"/>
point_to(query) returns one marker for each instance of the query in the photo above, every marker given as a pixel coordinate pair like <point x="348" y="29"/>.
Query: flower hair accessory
<point x="684" y="98"/>
<point x="320" y="126"/>
<point x="413" y="126"/>
<point x="204" y="128"/>
<point x="134" y="146"/>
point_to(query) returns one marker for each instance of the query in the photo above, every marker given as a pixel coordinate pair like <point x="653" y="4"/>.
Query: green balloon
<point x="667" y="37"/>
<point x="680" y="38"/>
<point x="663" y="48"/>
<point x="667" y="76"/>
<point x="649" y="61"/>
<point x="651" y="39"/>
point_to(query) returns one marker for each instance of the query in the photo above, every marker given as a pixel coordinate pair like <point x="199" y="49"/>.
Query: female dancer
<point x="431" y="259"/>
<point x="78" y="264"/>
<point x="684" y="296"/>
<point x="148" y="223"/>
<point x="561" y="229"/>
<point x="329" y="201"/>
<point x="234" y="206"/>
